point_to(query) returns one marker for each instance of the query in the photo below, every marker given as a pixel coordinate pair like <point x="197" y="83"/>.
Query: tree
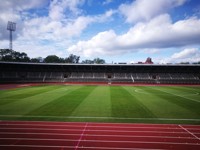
<point x="87" y="61"/>
<point x="37" y="60"/>
<point x="184" y="62"/>
<point x="99" y="61"/>
<point x="11" y="55"/>
<point x="95" y="61"/>
<point x="72" y="59"/>
<point x="52" y="59"/>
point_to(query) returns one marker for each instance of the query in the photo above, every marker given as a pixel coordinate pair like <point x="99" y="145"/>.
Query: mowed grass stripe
<point x="183" y="107"/>
<point x="25" y="105"/>
<point x="161" y="104"/>
<point x="13" y="96"/>
<point x="185" y="92"/>
<point x="96" y="104"/>
<point x="102" y="104"/>
<point x="9" y="93"/>
<point x="125" y="104"/>
<point x="65" y="104"/>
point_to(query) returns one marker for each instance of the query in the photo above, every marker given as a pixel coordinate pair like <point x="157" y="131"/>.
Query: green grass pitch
<point x="130" y="104"/>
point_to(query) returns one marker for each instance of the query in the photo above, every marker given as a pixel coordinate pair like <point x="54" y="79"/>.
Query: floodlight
<point x="11" y="27"/>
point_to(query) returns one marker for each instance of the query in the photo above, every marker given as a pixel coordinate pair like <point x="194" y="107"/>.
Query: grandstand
<point x="12" y="72"/>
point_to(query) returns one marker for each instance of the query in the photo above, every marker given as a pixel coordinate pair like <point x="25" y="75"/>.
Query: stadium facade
<point x="14" y="72"/>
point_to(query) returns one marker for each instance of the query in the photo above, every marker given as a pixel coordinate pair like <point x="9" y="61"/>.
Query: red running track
<point x="33" y="135"/>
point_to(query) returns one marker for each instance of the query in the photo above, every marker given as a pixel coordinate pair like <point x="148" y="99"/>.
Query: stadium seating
<point x="148" y="74"/>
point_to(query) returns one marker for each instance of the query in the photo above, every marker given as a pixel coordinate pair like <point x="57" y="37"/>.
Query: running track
<point x="29" y="135"/>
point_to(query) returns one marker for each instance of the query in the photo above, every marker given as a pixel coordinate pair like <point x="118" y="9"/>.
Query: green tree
<point x="37" y="60"/>
<point x="99" y="61"/>
<point x="52" y="59"/>
<point x="72" y="59"/>
<point x="87" y="61"/>
<point x="11" y="55"/>
<point x="94" y="61"/>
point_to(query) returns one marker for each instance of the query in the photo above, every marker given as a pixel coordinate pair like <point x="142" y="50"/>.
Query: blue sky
<point x="168" y="31"/>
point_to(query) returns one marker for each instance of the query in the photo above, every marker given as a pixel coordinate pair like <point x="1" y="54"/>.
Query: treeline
<point x="14" y="56"/>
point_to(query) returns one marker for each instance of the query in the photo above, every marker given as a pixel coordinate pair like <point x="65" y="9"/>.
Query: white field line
<point x="123" y="131"/>
<point x="193" y="134"/>
<point x="178" y="95"/>
<point x="77" y="145"/>
<point x="88" y="117"/>
<point x="103" y="148"/>
<point x="143" y="92"/>
<point x="100" y="135"/>
<point x="100" y="141"/>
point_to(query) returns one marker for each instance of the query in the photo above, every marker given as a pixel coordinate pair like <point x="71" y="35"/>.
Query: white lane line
<point x="189" y="132"/>
<point x="123" y="131"/>
<point x="94" y="117"/>
<point x="91" y="126"/>
<point x="104" y="148"/>
<point x="95" y="135"/>
<point x="178" y="95"/>
<point x="77" y="145"/>
<point x="99" y="141"/>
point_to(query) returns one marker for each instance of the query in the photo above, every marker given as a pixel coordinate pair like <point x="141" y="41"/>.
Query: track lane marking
<point x="89" y="126"/>
<point x="77" y="145"/>
<point x="92" y="130"/>
<point x="95" y="135"/>
<point x="189" y="132"/>
<point x="104" y="148"/>
<point x="93" y="141"/>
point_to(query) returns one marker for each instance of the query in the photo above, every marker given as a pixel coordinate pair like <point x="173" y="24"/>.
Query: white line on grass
<point x="143" y="92"/>
<point x="93" y="117"/>
<point x="179" y="95"/>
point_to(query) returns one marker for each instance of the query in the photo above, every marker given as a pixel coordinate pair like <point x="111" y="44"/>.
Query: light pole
<point x="11" y="27"/>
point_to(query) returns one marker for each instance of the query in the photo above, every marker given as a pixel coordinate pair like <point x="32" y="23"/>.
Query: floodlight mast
<point x="11" y="27"/>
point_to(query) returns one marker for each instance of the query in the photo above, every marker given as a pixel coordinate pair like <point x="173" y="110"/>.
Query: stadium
<point x="73" y="75"/>
<point x="99" y="106"/>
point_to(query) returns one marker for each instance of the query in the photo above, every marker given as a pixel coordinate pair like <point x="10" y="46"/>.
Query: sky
<point x="128" y="31"/>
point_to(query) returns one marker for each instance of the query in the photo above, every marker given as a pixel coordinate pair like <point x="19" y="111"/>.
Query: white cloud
<point x="186" y="55"/>
<point x="21" y="5"/>
<point x="12" y="10"/>
<point x="50" y="33"/>
<point x="144" y="10"/>
<point x="159" y="33"/>
<point x="58" y="9"/>
<point x="106" y="2"/>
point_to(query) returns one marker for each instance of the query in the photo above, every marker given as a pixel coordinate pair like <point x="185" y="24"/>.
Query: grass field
<point x="141" y="104"/>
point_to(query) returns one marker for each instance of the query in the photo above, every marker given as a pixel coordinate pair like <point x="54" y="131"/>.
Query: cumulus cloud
<point x="185" y="55"/>
<point x="144" y="10"/>
<point x="58" y="8"/>
<point x="21" y="5"/>
<point x="12" y="10"/>
<point x="106" y="2"/>
<point x="62" y="20"/>
<point x="160" y="32"/>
